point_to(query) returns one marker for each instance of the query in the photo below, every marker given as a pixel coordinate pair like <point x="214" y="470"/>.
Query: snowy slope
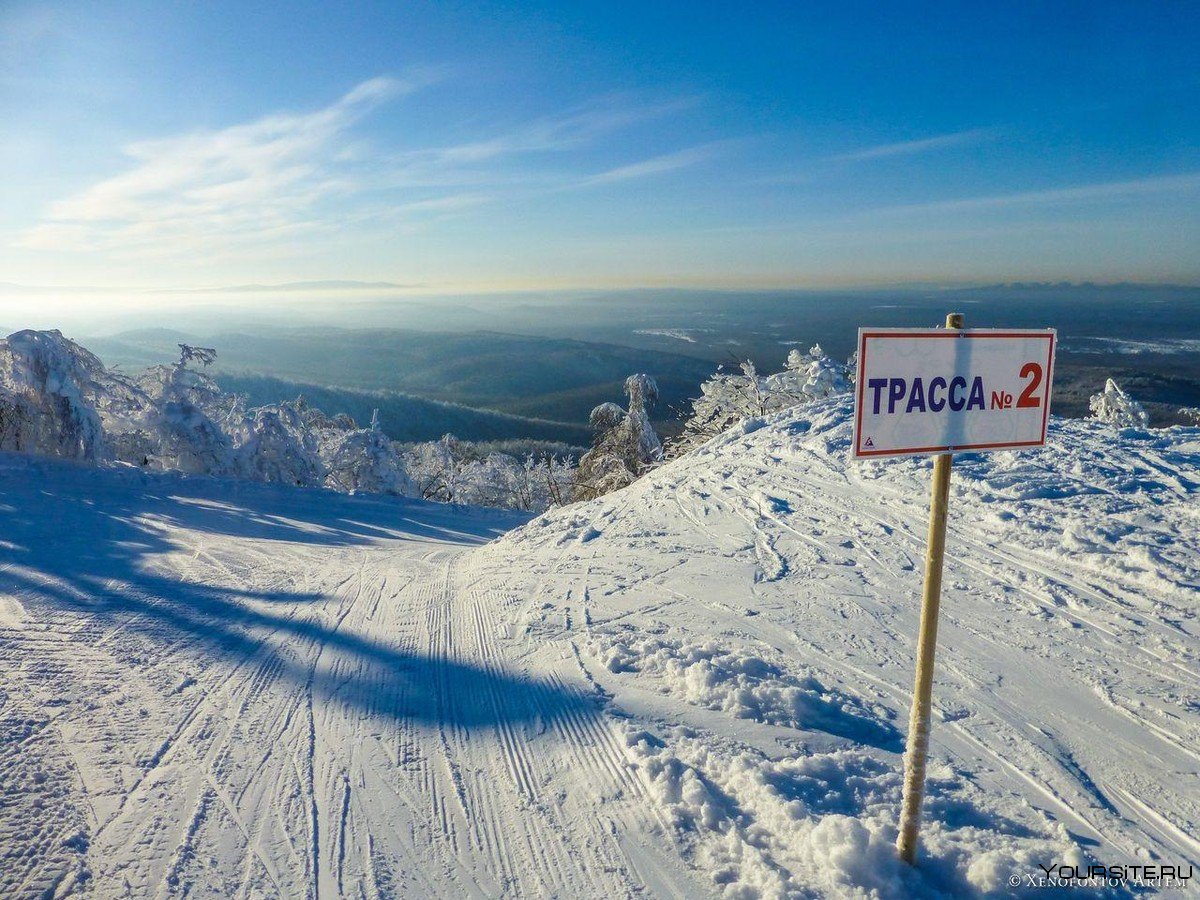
<point x="228" y="689"/>
<point x="697" y="686"/>
<point x="754" y="606"/>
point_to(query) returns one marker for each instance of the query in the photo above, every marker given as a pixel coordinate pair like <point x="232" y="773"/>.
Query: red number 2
<point x="1033" y="372"/>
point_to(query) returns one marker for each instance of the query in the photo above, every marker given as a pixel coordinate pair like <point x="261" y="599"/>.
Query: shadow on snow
<point x="85" y="542"/>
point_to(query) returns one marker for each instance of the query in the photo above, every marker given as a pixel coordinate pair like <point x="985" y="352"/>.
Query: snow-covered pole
<point x="917" y="749"/>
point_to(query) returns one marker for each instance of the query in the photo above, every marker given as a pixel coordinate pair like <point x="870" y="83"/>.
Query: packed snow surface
<point x="697" y="686"/>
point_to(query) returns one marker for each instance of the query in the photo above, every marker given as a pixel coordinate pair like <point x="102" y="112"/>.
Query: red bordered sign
<point x="941" y="390"/>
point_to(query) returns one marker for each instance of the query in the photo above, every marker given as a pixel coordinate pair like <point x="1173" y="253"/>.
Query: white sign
<point x="937" y="390"/>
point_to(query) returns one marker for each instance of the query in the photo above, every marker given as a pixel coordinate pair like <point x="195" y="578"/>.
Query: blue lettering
<point x="916" y="400"/>
<point x="957" y="385"/>
<point x="935" y="404"/>
<point x="975" y="401"/>
<point x="877" y="385"/>
<point x="895" y="393"/>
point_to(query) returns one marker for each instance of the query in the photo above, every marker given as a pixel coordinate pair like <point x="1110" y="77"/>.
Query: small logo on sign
<point x="868" y="443"/>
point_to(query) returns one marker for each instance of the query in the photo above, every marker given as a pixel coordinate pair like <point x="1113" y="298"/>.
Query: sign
<point x="939" y="390"/>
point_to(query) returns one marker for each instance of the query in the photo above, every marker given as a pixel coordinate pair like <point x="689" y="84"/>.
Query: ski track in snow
<point x="1068" y="656"/>
<point x="696" y="685"/>
<point x="290" y="694"/>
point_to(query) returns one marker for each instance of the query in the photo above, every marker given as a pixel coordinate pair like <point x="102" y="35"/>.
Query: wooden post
<point x="917" y="748"/>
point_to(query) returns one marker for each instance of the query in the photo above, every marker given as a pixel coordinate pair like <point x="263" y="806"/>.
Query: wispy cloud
<point x="1109" y="190"/>
<point x="566" y="131"/>
<point x="656" y="165"/>
<point x="923" y="145"/>
<point x="255" y="181"/>
<point x="471" y="164"/>
<point x="256" y="187"/>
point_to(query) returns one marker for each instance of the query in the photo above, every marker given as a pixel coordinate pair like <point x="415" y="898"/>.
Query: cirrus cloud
<point x="256" y="181"/>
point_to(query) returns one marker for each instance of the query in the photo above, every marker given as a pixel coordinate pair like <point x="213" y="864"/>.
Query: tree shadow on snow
<point x="85" y="542"/>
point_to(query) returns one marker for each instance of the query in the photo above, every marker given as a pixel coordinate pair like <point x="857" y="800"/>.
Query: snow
<point x="1168" y="346"/>
<point x="677" y="333"/>
<point x="57" y="399"/>
<point x="1117" y="408"/>
<point x="696" y="686"/>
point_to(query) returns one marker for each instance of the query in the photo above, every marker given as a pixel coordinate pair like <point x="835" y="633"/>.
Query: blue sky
<point x="460" y="146"/>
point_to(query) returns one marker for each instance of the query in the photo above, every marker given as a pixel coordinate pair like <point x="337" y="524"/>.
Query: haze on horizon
<point x="153" y="149"/>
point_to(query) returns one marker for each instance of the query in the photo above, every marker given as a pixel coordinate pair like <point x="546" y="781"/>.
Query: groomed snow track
<point x="243" y="691"/>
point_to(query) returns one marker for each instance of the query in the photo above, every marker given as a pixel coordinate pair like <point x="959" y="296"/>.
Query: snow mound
<point x="740" y="682"/>
<point x="825" y="823"/>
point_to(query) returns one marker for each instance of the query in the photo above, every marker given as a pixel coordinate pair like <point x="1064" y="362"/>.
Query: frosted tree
<point x="326" y="427"/>
<point x="52" y="392"/>
<point x="436" y="468"/>
<point x="806" y="377"/>
<point x="823" y="377"/>
<point x="729" y="397"/>
<point x="57" y="399"/>
<point x="206" y="356"/>
<point x="187" y="426"/>
<point x="274" y="444"/>
<point x="1189" y="415"/>
<point x="365" y="460"/>
<point x="626" y="444"/>
<point x="1117" y="408"/>
<point x="493" y="480"/>
<point x="557" y="479"/>
<point x="726" y="398"/>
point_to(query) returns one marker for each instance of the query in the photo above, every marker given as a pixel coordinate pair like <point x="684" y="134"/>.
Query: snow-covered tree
<point x="1190" y="415"/>
<point x="187" y="424"/>
<point x="823" y="377"/>
<point x="626" y="444"/>
<point x="454" y="471"/>
<point x="1117" y="408"/>
<point x="366" y="460"/>
<point x="726" y="398"/>
<point x="274" y="444"/>
<point x="806" y="376"/>
<point x="436" y="468"/>
<point x="730" y="397"/>
<point x="55" y="397"/>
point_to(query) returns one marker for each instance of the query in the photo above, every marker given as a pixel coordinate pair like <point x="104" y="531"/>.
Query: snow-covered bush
<point x="454" y="471"/>
<point x="626" y="444"/>
<point x="530" y="484"/>
<point x="51" y="390"/>
<point x="730" y="397"/>
<point x="57" y="399"/>
<point x="436" y="467"/>
<point x="275" y="444"/>
<point x="726" y="398"/>
<point x="184" y="425"/>
<point x="1117" y="408"/>
<point x="806" y="376"/>
<point x="363" y="459"/>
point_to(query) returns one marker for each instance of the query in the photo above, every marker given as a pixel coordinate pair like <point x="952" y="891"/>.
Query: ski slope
<point x="694" y="687"/>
